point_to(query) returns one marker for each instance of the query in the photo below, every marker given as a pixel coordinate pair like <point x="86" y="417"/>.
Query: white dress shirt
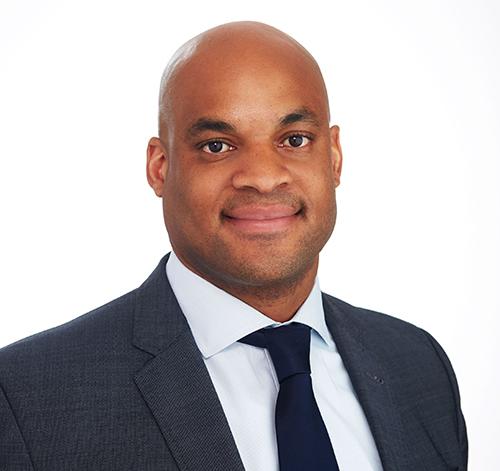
<point x="246" y="382"/>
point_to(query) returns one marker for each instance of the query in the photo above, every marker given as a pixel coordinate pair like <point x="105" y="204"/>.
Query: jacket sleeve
<point x="461" y="427"/>
<point x="14" y="455"/>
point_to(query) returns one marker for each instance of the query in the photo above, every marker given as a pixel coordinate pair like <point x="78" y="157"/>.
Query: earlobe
<point x="156" y="166"/>
<point x="336" y="153"/>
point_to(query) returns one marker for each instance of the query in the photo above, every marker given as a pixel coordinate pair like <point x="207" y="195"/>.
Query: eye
<point x="216" y="147"/>
<point x="296" y="140"/>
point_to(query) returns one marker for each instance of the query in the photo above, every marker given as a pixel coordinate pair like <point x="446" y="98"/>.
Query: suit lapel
<point x="372" y="385"/>
<point x="175" y="384"/>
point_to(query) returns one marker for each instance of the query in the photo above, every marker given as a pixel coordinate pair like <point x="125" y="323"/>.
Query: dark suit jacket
<point x="125" y="387"/>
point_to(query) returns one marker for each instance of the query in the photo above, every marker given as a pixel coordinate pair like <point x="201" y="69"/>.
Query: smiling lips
<point x="270" y="218"/>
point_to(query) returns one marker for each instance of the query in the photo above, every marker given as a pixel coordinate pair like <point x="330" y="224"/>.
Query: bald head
<point x="234" y="49"/>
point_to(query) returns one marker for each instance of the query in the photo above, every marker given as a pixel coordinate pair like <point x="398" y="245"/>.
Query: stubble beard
<point x="268" y="271"/>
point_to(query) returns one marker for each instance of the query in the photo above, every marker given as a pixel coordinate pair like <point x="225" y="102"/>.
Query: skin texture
<point x="251" y="211"/>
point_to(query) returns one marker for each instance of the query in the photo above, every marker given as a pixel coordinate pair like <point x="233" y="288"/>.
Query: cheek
<point x="191" y="195"/>
<point x="318" y="185"/>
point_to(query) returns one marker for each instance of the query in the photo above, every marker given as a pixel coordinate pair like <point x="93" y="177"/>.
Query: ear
<point x="157" y="165"/>
<point x="336" y="153"/>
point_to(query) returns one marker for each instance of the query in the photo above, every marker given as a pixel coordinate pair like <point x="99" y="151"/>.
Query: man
<point x="229" y="357"/>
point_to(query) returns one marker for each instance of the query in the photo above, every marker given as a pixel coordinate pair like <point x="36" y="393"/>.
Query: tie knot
<point x="288" y="346"/>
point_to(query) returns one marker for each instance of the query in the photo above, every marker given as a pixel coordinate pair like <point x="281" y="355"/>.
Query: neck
<point x="279" y="300"/>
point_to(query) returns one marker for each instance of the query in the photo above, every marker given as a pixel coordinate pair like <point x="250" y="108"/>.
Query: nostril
<point x="264" y="179"/>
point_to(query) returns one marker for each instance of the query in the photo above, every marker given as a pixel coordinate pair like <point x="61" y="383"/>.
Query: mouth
<point x="262" y="219"/>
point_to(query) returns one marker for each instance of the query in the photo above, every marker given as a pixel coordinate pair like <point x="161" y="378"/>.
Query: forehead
<point x="245" y="86"/>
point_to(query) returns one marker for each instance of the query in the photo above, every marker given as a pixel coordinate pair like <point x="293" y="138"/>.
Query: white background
<point x="414" y="87"/>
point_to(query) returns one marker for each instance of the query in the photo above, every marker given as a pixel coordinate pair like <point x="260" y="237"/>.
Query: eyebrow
<point x="209" y="124"/>
<point x="300" y="115"/>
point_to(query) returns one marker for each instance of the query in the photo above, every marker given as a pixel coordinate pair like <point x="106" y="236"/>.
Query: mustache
<point x="277" y="198"/>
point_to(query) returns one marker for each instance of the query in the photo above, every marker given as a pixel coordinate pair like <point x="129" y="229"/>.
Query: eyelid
<point x="296" y="133"/>
<point x="201" y="145"/>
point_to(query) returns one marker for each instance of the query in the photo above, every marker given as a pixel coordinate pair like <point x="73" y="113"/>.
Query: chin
<point x="269" y="270"/>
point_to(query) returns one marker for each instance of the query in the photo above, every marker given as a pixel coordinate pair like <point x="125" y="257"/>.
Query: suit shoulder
<point x="97" y="325"/>
<point x="384" y="333"/>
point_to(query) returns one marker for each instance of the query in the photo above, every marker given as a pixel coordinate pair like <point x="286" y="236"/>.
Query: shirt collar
<point x="217" y="319"/>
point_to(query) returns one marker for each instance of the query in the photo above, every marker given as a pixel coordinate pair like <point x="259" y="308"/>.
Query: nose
<point x="262" y="169"/>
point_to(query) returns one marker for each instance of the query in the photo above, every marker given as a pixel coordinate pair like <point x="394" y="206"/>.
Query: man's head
<point x="246" y="162"/>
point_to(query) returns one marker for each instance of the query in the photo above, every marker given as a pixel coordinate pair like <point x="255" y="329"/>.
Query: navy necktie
<point x="303" y="441"/>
